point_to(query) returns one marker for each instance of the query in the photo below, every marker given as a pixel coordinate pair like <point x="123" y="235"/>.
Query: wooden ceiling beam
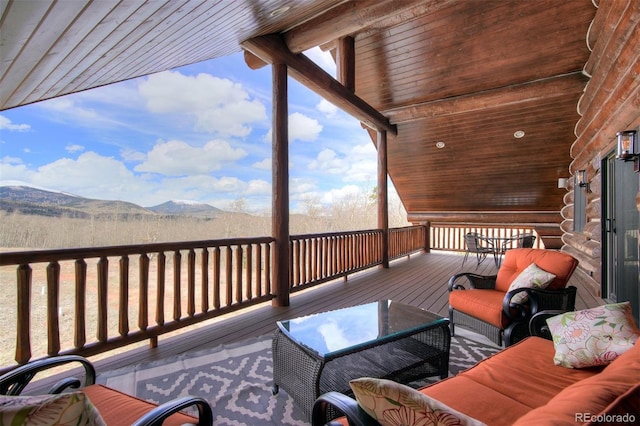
<point x="512" y="95"/>
<point x="272" y="49"/>
<point x="354" y="16"/>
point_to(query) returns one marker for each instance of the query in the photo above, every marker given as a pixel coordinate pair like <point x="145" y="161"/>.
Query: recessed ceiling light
<point x="440" y="144"/>
<point x="279" y="11"/>
<point x="518" y="134"/>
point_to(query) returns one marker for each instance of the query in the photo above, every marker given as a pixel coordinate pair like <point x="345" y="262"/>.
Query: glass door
<point x="621" y="220"/>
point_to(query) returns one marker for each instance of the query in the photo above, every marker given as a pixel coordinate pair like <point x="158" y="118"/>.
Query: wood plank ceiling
<point x="468" y="73"/>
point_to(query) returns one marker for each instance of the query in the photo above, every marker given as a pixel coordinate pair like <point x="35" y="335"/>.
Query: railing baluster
<point x="53" y="307"/>
<point x="238" y="283"/>
<point x="191" y="283"/>
<point x="248" y="268"/>
<point x="80" y="337"/>
<point x="204" y="267"/>
<point x="259" y="291"/>
<point x="143" y="292"/>
<point x="161" y="262"/>
<point x="177" y="281"/>
<point x="267" y="268"/>
<point x="229" y="275"/>
<point x="123" y="308"/>
<point x="23" y="326"/>
<point x="103" y="298"/>
<point x="216" y="278"/>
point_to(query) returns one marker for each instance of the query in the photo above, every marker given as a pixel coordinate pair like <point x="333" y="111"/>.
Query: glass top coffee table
<point x="385" y="339"/>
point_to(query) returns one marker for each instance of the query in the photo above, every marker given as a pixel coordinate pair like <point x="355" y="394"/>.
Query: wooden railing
<point x="451" y="237"/>
<point x="122" y="295"/>
<point x="317" y="258"/>
<point x="60" y="301"/>
<point x="407" y="240"/>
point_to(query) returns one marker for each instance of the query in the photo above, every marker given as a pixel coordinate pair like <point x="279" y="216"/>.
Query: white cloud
<point x="91" y="175"/>
<point x="258" y="187"/>
<point x="217" y="105"/>
<point x="262" y="165"/>
<point x="301" y="186"/>
<point x="175" y="158"/>
<point x="74" y="148"/>
<point x="338" y="194"/>
<point x="14" y="169"/>
<point x="328" y="161"/>
<point x="6" y="124"/>
<point x="327" y="108"/>
<point x="129" y="154"/>
<point x="301" y="128"/>
<point x="363" y="164"/>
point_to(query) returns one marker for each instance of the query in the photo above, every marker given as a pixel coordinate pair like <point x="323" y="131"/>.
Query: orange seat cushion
<point x="515" y="261"/>
<point x="485" y="305"/>
<point x="117" y="408"/>
<point x="594" y="395"/>
<point x="526" y="373"/>
<point x="475" y="400"/>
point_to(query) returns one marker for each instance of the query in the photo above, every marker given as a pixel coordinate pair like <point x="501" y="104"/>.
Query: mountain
<point x="21" y="198"/>
<point x="187" y="208"/>
<point x="35" y="201"/>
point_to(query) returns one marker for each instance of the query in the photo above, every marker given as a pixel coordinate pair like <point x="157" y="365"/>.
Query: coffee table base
<point x="305" y="376"/>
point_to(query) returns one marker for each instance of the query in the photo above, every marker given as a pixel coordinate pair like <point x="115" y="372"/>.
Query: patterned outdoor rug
<point x="236" y="380"/>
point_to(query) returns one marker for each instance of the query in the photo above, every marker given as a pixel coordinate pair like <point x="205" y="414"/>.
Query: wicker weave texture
<point x="305" y="376"/>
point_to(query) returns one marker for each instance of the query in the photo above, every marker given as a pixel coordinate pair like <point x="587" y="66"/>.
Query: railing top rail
<point x="335" y="234"/>
<point x="406" y="228"/>
<point x="33" y="256"/>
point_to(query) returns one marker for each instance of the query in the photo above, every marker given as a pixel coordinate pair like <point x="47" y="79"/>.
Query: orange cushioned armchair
<point x="490" y="308"/>
<point x="113" y="407"/>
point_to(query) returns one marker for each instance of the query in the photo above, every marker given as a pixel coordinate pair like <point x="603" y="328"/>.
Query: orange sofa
<point x="521" y="386"/>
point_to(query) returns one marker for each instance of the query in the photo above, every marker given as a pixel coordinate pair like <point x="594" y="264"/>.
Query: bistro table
<point x="499" y="245"/>
<point x="385" y="339"/>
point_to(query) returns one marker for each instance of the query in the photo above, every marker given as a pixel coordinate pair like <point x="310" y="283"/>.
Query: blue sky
<point x="198" y="133"/>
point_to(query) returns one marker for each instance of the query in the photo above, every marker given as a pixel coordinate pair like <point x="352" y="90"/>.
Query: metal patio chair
<point x="474" y="245"/>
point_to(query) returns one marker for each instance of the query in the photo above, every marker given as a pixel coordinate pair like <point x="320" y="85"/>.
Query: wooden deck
<point x="420" y="280"/>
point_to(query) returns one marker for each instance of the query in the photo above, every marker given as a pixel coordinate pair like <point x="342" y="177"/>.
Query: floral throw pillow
<point x="531" y="277"/>
<point x="394" y="404"/>
<point x="67" y="409"/>
<point x="592" y="337"/>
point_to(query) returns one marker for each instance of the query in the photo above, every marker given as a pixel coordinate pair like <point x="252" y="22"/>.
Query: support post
<point x="280" y="184"/>
<point x="383" y="202"/>
<point x="346" y="63"/>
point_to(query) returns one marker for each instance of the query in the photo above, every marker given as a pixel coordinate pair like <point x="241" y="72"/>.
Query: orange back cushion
<point x="515" y="261"/>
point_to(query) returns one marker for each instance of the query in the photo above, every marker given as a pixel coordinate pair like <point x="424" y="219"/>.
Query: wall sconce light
<point x="581" y="179"/>
<point x="563" y="183"/>
<point x="628" y="147"/>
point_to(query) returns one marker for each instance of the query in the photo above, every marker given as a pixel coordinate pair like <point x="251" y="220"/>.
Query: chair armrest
<point x="348" y="406"/>
<point x="14" y="382"/>
<point x="562" y="300"/>
<point x="538" y="323"/>
<point x="158" y="415"/>
<point x="516" y="311"/>
<point x="475" y="281"/>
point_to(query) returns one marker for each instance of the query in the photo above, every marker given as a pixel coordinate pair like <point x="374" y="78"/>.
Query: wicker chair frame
<point x="562" y="300"/>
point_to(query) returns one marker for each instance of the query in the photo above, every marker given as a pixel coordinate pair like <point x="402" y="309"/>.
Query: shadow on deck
<point x="419" y="280"/>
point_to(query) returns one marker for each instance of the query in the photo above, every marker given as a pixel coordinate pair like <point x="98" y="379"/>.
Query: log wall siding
<point x="610" y="103"/>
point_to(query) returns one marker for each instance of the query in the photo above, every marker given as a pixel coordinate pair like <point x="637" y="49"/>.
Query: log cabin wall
<point x="610" y="103"/>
